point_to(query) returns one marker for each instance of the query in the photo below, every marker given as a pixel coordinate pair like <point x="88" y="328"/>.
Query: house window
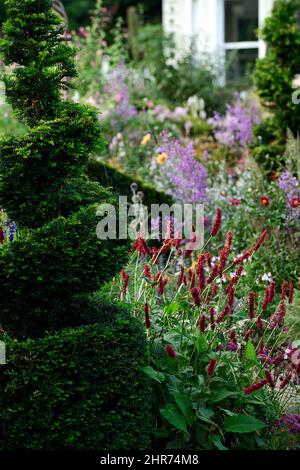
<point x="241" y="18"/>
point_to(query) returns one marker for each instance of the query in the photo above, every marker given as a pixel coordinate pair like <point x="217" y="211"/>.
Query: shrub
<point x="55" y="264"/>
<point x="275" y="73"/>
<point x="120" y="183"/>
<point x="81" y="388"/>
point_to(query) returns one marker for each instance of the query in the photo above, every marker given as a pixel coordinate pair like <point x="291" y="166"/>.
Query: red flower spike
<point x="285" y="381"/>
<point x="180" y="277"/>
<point x="255" y="387"/>
<point x="223" y="314"/>
<point x="243" y="257"/>
<point x="291" y="292"/>
<point x="269" y="379"/>
<point x="251" y="302"/>
<point x="171" y="351"/>
<point x="147" y="271"/>
<point x="202" y="323"/>
<point x="214" y="290"/>
<point x="196" y="296"/>
<point x="260" y="240"/>
<point x="260" y="324"/>
<point x="147" y="316"/>
<point x="230" y="296"/>
<point x="236" y="276"/>
<point x="140" y="246"/>
<point x="212" y="314"/>
<point x="217" y="223"/>
<point x="284" y="288"/>
<point x="272" y="291"/>
<point x="125" y="279"/>
<point x="211" y="367"/>
<point x="265" y="301"/>
<point x="213" y="274"/>
<point x="161" y="285"/>
<point x="193" y="280"/>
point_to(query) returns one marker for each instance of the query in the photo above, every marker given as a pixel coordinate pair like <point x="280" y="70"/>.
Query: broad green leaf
<point x="222" y="394"/>
<point x="243" y="423"/>
<point x="184" y="405"/>
<point x="171" y="414"/>
<point x="200" y="342"/>
<point x="216" y="440"/>
<point x="172" y="308"/>
<point x="158" y="376"/>
<point x="250" y="352"/>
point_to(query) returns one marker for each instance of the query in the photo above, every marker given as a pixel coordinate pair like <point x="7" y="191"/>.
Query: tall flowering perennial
<point x="225" y="340"/>
<point x="121" y="110"/>
<point x="235" y="129"/>
<point x="186" y="177"/>
<point x="290" y="187"/>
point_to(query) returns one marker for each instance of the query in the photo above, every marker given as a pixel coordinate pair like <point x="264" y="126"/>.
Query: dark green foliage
<point x="51" y="270"/>
<point x="34" y="167"/>
<point x="80" y="389"/>
<point x="32" y="41"/>
<point x="120" y="183"/>
<point x="274" y="75"/>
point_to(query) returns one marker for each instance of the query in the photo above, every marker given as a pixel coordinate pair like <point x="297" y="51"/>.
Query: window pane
<point x="240" y="63"/>
<point x="241" y="20"/>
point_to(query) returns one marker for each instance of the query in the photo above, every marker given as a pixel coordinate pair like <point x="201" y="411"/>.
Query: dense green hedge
<point x="82" y="388"/>
<point x="120" y="183"/>
<point x="49" y="276"/>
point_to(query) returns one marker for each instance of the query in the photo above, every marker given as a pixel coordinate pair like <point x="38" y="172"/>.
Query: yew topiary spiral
<point x="73" y="374"/>
<point x="50" y="272"/>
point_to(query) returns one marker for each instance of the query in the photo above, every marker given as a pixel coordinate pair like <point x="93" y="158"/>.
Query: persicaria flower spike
<point x="255" y="387"/>
<point x="170" y="351"/>
<point x="260" y="240"/>
<point x="217" y="223"/>
<point x="147" y="271"/>
<point x="269" y="379"/>
<point x="251" y="302"/>
<point x="196" y="296"/>
<point x="125" y="281"/>
<point x="211" y="367"/>
<point x="147" y="315"/>
<point x="202" y="323"/>
<point x="284" y="288"/>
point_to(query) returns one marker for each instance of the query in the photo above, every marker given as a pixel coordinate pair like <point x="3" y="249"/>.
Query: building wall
<point x="203" y="20"/>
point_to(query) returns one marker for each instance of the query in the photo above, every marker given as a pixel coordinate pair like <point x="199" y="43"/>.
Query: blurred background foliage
<point x="79" y="10"/>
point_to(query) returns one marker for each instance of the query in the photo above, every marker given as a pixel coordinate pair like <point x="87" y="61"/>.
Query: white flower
<point x="267" y="277"/>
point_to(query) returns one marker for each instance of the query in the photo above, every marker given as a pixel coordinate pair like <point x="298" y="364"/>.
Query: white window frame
<point x="238" y="45"/>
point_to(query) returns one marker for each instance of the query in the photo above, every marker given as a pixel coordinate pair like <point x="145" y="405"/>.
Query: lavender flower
<point x="235" y="129"/>
<point x="290" y="188"/>
<point x="186" y="177"/>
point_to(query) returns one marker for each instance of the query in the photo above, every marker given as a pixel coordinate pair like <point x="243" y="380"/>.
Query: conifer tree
<point x="73" y="373"/>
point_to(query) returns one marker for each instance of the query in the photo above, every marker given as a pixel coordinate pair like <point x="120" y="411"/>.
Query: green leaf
<point x="184" y="405"/>
<point x="222" y="394"/>
<point x="250" y="352"/>
<point x="172" y="308"/>
<point x="158" y="376"/>
<point x="243" y="423"/>
<point x="216" y="440"/>
<point x="200" y="342"/>
<point x="171" y="414"/>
